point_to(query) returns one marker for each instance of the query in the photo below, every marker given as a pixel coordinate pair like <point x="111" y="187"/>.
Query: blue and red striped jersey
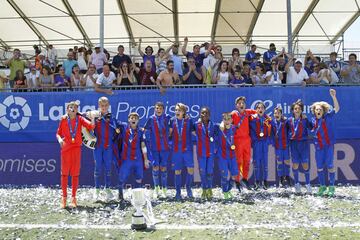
<point x="158" y="126"/>
<point x="280" y="133"/>
<point x="105" y="131"/>
<point x="205" y="138"/>
<point x="224" y="140"/>
<point x="181" y="134"/>
<point x="131" y="142"/>
<point x="260" y="128"/>
<point x="323" y="130"/>
<point x="298" y="128"/>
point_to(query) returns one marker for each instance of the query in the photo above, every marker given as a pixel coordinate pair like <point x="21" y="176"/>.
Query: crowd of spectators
<point x="205" y="64"/>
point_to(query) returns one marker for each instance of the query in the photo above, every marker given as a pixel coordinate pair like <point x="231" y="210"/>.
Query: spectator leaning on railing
<point x="89" y="78"/>
<point x="192" y="73"/>
<point x="105" y="81"/>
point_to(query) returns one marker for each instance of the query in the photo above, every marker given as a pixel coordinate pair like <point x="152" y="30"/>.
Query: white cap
<point x="298" y="61"/>
<point x="98" y="46"/>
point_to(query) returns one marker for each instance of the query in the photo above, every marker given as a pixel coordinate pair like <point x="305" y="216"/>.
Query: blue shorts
<point x="325" y="157"/>
<point x="160" y="158"/>
<point x="300" y="151"/>
<point x="182" y="159"/>
<point x="282" y="154"/>
<point x="206" y="164"/>
<point x="103" y="158"/>
<point x="226" y="165"/>
<point x="129" y="167"/>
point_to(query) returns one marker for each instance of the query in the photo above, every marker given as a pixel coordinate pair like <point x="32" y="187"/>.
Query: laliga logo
<point x="15" y="113"/>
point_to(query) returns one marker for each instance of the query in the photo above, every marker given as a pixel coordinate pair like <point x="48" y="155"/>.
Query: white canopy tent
<point x="316" y="24"/>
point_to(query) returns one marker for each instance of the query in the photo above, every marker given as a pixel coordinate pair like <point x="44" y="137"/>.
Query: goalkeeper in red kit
<point x="69" y="138"/>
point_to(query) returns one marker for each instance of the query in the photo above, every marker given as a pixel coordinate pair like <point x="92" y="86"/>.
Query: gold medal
<point x="232" y="147"/>
<point x="211" y="139"/>
<point x="73" y="140"/>
<point x="117" y="131"/>
<point x="261" y="134"/>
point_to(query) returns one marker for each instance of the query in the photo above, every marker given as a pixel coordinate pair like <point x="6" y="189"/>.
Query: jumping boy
<point x="158" y="127"/>
<point x="69" y="137"/>
<point x="324" y="139"/>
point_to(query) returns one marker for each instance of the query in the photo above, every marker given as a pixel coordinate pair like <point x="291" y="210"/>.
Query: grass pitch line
<point x="181" y="227"/>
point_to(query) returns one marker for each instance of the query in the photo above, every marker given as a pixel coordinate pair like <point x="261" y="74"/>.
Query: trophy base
<point x="138" y="222"/>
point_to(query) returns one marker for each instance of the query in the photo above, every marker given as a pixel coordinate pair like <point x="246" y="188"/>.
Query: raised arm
<point x="289" y="63"/>
<point x="335" y="101"/>
<point x="183" y="49"/>
<point x="139" y="48"/>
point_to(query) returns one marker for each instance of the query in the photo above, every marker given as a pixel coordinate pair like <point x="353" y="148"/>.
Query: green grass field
<point x="34" y="213"/>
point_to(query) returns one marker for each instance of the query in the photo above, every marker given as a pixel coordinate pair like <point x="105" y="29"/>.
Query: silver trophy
<point x="138" y="200"/>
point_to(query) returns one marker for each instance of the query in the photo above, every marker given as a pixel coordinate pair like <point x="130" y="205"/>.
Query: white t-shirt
<point x="275" y="77"/>
<point x="106" y="81"/>
<point x="293" y="77"/>
<point x="89" y="82"/>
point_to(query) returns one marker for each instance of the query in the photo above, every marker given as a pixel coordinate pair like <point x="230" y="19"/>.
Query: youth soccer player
<point x="106" y="130"/>
<point x="240" y="118"/>
<point x="134" y="153"/>
<point x="182" y="156"/>
<point x="299" y="144"/>
<point x="69" y="137"/>
<point x="158" y="129"/>
<point x="324" y="139"/>
<point x="281" y="144"/>
<point x="260" y="130"/>
<point x="225" y="132"/>
<point x="205" y="145"/>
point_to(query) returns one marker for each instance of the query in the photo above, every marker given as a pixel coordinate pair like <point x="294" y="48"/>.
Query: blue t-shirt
<point x="68" y="65"/>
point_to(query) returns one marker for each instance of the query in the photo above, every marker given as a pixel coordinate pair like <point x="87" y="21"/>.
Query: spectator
<point x="125" y="76"/>
<point x="33" y="78"/>
<point x="250" y="56"/>
<point x="81" y="60"/>
<point x="120" y="58"/>
<point x="246" y="74"/>
<point x="69" y="63"/>
<point x="296" y="75"/>
<point x="60" y="79"/>
<point x="237" y="79"/>
<point x="46" y="79"/>
<point x="211" y="63"/>
<point x="268" y="56"/>
<point x="90" y="77"/>
<point x="178" y="62"/>
<point x="76" y="77"/>
<point x="199" y="57"/>
<point x="20" y="81"/>
<point x="161" y="59"/>
<point x="259" y="75"/>
<point x="15" y="63"/>
<point x="168" y="77"/>
<point x="274" y="76"/>
<point x="147" y="55"/>
<point x="235" y="61"/>
<point x="38" y="63"/>
<point x="324" y="76"/>
<point x="222" y="76"/>
<point x="105" y="81"/>
<point x="51" y="56"/>
<point x="98" y="58"/>
<point x="3" y="81"/>
<point x="351" y="72"/>
<point x="281" y="60"/>
<point x="88" y="57"/>
<point x="309" y="62"/>
<point x="147" y="76"/>
<point x="334" y="64"/>
<point x="192" y="74"/>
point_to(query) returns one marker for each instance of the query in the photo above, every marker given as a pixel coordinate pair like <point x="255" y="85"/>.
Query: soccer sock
<point x="64" y="184"/>
<point x="75" y="184"/>
<point x="107" y="180"/>
<point x="164" y="178"/>
<point x="296" y="175"/>
<point x="230" y="184"/>
<point x="155" y="174"/>
<point x="307" y="176"/>
<point x="209" y="181"/>
<point x="280" y="169"/>
<point x="189" y="180"/>
<point x="286" y="169"/>
<point x="332" y="178"/>
<point x="203" y="179"/>
<point x="321" y="177"/>
<point x="224" y="184"/>
<point x="97" y="180"/>
<point x="178" y="183"/>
